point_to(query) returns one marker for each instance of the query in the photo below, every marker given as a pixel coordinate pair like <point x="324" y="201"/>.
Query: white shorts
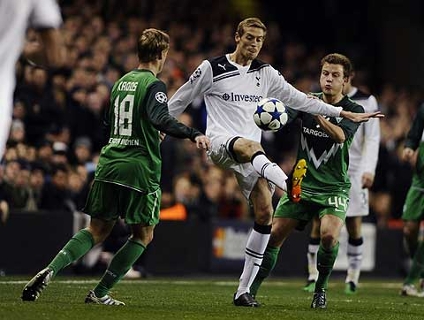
<point x="359" y="202"/>
<point x="245" y="174"/>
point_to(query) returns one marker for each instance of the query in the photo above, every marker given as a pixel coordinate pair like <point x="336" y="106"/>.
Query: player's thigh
<point x="281" y="229"/>
<point x="244" y="149"/>
<point x="332" y="213"/>
<point x="331" y="225"/>
<point x="100" y="228"/>
<point x="142" y="233"/>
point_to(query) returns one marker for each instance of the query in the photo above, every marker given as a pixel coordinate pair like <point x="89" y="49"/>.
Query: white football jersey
<point x="15" y="17"/>
<point x="363" y="153"/>
<point x="231" y="93"/>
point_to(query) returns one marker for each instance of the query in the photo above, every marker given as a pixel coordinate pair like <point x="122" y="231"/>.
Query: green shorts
<point x="108" y="201"/>
<point x="312" y="205"/>
<point x="413" y="208"/>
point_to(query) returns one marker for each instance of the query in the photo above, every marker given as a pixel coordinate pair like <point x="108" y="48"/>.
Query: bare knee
<point x="143" y="234"/>
<point x="146" y="239"/>
<point x="100" y="229"/>
<point x="410" y="230"/>
<point x="263" y="215"/>
<point x="328" y="241"/>
<point x="281" y="229"/>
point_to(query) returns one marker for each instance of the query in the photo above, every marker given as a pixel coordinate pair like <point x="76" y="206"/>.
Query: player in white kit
<point x="232" y="85"/>
<point x="363" y="157"/>
<point x="15" y="18"/>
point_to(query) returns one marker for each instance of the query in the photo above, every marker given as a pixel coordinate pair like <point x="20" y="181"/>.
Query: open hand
<point x="202" y="142"/>
<point x="361" y="117"/>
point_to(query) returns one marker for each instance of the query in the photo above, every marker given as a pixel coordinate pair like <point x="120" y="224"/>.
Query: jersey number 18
<point x="123" y="112"/>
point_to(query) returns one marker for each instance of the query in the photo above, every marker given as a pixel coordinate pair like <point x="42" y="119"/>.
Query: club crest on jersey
<point x="196" y="74"/>
<point x="161" y="97"/>
<point x="326" y="118"/>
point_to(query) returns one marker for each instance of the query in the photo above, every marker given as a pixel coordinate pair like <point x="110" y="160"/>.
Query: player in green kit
<point x="413" y="210"/>
<point x="126" y="182"/>
<point x="324" y="143"/>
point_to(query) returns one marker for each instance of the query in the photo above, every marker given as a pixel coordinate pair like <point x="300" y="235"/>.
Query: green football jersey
<point x="415" y="140"/>
<point x="326" y="159"/>
<point x="418" y="173"/>
<point x="138" y="110"/>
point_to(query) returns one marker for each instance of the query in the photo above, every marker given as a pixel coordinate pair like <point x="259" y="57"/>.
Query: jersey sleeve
<point x="415" y="133"/>
<point x="296" y="99"/>
<point x="158" y="114"/>
<point x="371" y="138"/>
<point x="198" y="84"/>
<point x="45" y="14"/>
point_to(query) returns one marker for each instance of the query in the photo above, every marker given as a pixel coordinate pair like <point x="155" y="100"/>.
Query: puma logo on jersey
<point x="258" y="83"/>
<point x="222" y="66"/>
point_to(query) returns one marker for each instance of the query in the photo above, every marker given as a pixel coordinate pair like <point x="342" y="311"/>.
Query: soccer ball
<point x="270" y="114"/>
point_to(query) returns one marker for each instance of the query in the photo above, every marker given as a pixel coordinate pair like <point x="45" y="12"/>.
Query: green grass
<point x="181" y="298"/>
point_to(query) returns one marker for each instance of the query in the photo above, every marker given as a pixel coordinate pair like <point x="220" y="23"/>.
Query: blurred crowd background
<point x="57" y="131"/>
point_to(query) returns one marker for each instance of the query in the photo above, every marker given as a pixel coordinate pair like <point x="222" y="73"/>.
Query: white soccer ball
<point x="270" y="114"/>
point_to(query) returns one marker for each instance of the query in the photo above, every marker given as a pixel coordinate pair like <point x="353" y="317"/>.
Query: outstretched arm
<point x="157" y="113"/>
<point x="335" y="132"/>
<point x="360" y="117"/>
<point x="200" y="81"/>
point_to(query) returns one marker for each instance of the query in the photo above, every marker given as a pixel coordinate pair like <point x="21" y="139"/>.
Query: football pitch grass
<point x="206" y="298"/>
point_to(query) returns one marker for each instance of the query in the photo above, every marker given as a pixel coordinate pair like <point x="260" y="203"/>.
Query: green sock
<point x="76" y="247"/>
<point x="119" y="266"/>
<point x="325" y="264"/>
<point x="268" y="264"/>
<point x="417" y="265"/>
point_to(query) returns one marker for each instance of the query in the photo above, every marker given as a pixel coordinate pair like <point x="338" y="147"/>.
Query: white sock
<point x="255" y="248"/>
<point x="269" y="170"/>
<point x="312" y="261"/>
<point x="354" y="258"/>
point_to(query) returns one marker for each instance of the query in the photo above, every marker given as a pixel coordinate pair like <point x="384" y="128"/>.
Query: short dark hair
<point x="338" y="58"/>
<point x="151" y="44"/>
<point x="248" y="23"/>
